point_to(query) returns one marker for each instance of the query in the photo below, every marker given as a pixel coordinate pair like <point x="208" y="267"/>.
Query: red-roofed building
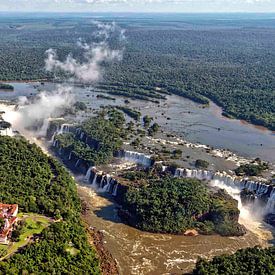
<point x="8" y="213"/>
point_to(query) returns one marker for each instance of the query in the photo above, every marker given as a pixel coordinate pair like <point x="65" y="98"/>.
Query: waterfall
<point x="198" y="174"/>
<point x="136" y="157"/>
<point x="55" y="143"/>
<point x="270" y="205"/>
<point x="88" y="174"/>
<point x="65" y="128"/>
<point x="76" y="164"/>
<point x="94" y="181"/>
<point x="234" y="192"/>
<point x="115" y="190"/>
<point x="107" y="186"/>
<point x="233" y="184"/>
<point x="101" y="181"/>
<point x="61" y="129"/>
<point x="53" y="138"/>
<point x="70" y="156"/>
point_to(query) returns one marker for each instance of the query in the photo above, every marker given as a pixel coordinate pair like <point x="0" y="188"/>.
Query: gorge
<point x="105" y="202"/>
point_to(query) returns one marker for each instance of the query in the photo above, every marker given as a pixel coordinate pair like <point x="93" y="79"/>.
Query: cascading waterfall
<point x="136" y="157"/>
<point x="188" y="173"/>
<point x="270" y="205"/>
<point x="88" y="174"/>
<point x="228" y="181"/>
<point x="102" y="182"/>
<point x="64" y="128"/>
<point x="107" y="185"/>
<point x="94" y="181"/>
<point x="115" y="190"/>
<point x="55" y="142"/>
<point x="245" y="213"/>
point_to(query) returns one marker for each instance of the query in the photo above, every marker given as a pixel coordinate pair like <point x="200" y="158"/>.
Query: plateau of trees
<point x="170" y="205"/>
<point x="104" y="138"/>
<point x="39" y="184"/>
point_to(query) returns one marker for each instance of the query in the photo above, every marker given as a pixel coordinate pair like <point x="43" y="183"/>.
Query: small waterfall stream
<point x="138" y="158"/>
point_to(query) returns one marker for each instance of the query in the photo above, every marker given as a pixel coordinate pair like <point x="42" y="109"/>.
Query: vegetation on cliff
<point x="103" y="137"/>
<point x="251" y="169"/>
<point x="200" y="163"/>
<point x="171" y="205"/>
<point x="39" y="184"/>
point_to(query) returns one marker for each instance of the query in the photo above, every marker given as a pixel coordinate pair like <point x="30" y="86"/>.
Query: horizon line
<point x="139" y="12"/>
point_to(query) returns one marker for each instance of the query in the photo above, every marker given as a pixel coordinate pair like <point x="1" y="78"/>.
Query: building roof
<point x="7" y="210"/>
<point x="7" y="213"/>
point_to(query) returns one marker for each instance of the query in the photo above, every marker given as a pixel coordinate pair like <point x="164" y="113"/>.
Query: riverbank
<point x="26" y="81"/>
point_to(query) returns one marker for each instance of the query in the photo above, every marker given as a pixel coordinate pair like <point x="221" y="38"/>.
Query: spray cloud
<point x="94" y="55"/>
<point x="35" y="112"/>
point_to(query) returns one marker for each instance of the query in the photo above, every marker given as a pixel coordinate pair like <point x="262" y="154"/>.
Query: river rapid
<point x="139" y="252"/>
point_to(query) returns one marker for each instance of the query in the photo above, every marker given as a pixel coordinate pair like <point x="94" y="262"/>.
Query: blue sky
<point x="139" y="5"/>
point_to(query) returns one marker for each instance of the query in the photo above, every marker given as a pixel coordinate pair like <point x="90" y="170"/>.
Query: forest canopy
<point x="171" y="205"/>
<point x="161" y="57"/>
<point x="245" y="261"/>
<point x="39" y="184"/>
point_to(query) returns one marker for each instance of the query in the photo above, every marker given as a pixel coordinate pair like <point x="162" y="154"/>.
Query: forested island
<point x="163" y="204"/>
<point x="162" y="57"/>
<point x="95" y="141"/>
<point x="6" y="87"/>
<point x="39" y="184"/>
<point x="245" y="261"/>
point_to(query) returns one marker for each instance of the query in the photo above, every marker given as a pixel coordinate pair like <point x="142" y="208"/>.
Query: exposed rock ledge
<point x="108" y="264"/>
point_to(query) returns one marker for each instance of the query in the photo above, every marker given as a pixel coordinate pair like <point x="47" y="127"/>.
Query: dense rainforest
<point x="39" y="184"/>
<point x="96" y="139"/>
<point x="245" y="261"/>
<point x="171" y="205"/>
<point x="228" y="61"/>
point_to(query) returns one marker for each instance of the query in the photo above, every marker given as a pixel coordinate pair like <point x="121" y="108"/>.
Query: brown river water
<point x="138" y="252"/>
